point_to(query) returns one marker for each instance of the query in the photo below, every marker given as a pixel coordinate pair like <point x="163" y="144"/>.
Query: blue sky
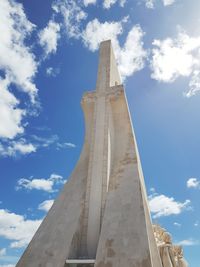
<point x="48" y="59"/>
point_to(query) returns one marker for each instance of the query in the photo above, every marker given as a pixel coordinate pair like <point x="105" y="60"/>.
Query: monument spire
<point x="108" y="74"/>
<point x="101" y="217"/>
<point x="100" y="149"/>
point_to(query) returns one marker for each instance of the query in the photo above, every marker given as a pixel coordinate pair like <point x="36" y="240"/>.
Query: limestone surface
<point x="102" y="213"/>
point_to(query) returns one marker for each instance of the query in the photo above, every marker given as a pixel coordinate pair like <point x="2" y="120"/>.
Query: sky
<point x="49" y="58"/>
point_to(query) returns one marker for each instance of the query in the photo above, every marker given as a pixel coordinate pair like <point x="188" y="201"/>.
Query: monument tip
<point x="105" y="42"/>
<point x="108" y="74"/>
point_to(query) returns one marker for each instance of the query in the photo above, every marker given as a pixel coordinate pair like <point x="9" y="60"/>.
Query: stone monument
<point x="101" y="218"/>
<point x="170" y="255"/>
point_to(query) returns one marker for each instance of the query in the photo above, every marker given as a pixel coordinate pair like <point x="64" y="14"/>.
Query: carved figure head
<point x="167" y="238"/>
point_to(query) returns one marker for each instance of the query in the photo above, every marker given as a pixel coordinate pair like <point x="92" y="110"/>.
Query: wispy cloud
<point x="53" y="72"/>
<point x="45" y="141"/>
<point x="151" y="3"/>
<point x="21" y="146"/>
<point x="46" y="205"/>
<point x="52" y="140"/>
<point x="15" y="148"/>
<point x="194" y="84"/>
<point x="64" y="145"/>
<point x="161" y="205"/>
<point x="72" y="14"/>
<point x="40" y="183"/>
<point x="188" y="242"/>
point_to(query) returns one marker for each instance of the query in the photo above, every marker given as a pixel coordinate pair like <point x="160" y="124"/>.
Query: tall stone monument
<point x="101" y="217"/>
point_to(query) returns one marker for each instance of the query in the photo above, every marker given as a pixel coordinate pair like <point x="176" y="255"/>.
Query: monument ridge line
<point x="101" y="218"/>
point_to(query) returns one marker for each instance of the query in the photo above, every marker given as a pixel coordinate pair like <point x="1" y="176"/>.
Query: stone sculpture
<point x="181" y="262"/>
<point x="171" y="255"/>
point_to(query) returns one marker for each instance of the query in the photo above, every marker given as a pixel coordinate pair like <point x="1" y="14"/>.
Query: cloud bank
<point x="40" y="183"/>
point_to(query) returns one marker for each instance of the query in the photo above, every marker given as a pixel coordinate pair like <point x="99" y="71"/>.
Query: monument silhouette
<point x="101" y="217"/>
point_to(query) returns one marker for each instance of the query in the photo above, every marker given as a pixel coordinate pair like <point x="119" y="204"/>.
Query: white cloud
<point x="174" y="58"/>
<point x="18" y="67"/>
<point x="72" y="14"/>
<point x="46" y="205"/>
<point x="16" y="59"/>
<point x="2" y="252"/>
<point x="49" y="37"/>
<point x="23" y="148"/>
<point x="122" y="3"/>
<point x="108" y="3"/>
<point x="96" y="32"/>
<point x="196" y="224"/>
<point x="161" y="205"/>
<point x="130" y="57"/>
<point x="40" y="183"/>
<point x="16" y="228"/>
<point x="188" y="242"/>
<point x="7" y="265"/>
<point x="89" y="2"/>
<point x="10" y="115"/>
<point x="150" y="4"/>
<point x="14" y="148"/>
<point x="193" y="183"/>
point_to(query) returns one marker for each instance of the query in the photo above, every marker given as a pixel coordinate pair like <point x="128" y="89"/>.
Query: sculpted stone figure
<point x="167" y="252"/>
<point x="171" y="255"/>
<point x="181" y="262"/>
<point x="158" y="233"/>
